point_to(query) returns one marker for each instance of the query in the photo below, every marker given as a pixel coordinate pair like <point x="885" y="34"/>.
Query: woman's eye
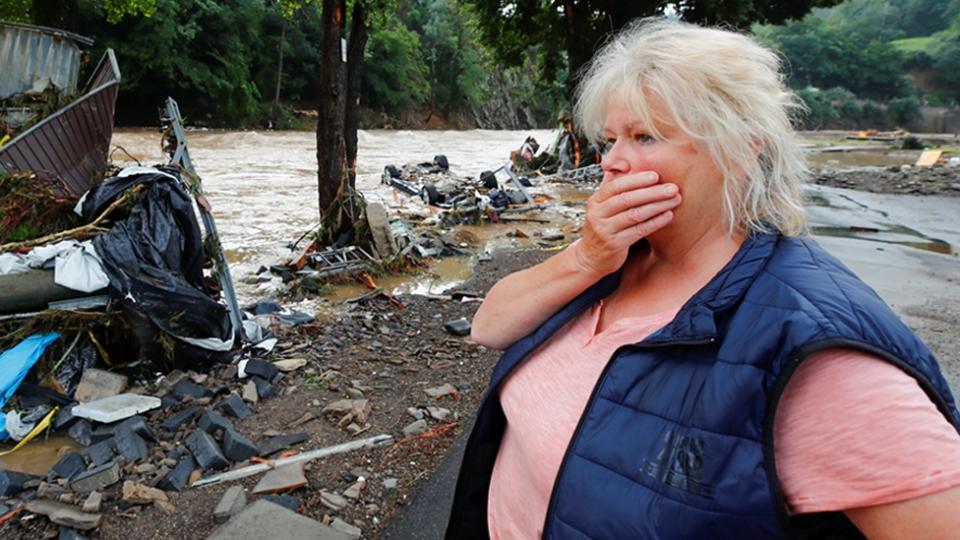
<point x="643" y="138"/>
<point x="607" y="145"/>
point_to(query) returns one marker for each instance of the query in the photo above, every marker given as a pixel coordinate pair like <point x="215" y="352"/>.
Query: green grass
<point x="915" y="45"/>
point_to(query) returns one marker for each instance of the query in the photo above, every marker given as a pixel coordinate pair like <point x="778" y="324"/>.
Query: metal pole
<point x="182" y="157"/>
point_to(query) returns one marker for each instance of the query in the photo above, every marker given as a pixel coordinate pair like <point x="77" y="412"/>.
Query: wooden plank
<point x="929" y="158"/>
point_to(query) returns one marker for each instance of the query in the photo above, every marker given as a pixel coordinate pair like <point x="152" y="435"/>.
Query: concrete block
<point x="186" y="387"/>
<point x="458" y="327"/>
<point x="82" y="432"/>
<point x="174" y="422"/>
<point x="92" y="502"/>
<point x="97" y="384"/>
<point x="233" y="501"/>
<point x="250" y="392"/>
<point x="177" y="479"/>
<point x="130" y="445"/>
<point x="138" y="424"/>
<point x="65" y="418"/>
<point x="380" y="230"/>
<point x="284" y="478"/>
<point x="275" y="444"/>
<point x="263" y="519"/>
<point x="96" y="478"/>
<point x="69" y="466"/>
<point x="287" y="501"/>
<point x="100" y="453"/>
<point x="260" y="368"/>
<point x="64" y="514"/>
<point x="347" y="528"/>
<point x="234" y="406"/>
<point x="212" y="422"/>
<point x="237" y="447"/>
<point x="264" y="389"/>
<point x="206" y="451"/>
<point x="116" y="408"/>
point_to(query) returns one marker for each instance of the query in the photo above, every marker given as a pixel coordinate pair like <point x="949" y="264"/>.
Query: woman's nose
<point x="613" y="159"/>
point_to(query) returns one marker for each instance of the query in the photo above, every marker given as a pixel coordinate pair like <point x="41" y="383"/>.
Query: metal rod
<point x="182" y="157"/>
<point x="369" y="442"/>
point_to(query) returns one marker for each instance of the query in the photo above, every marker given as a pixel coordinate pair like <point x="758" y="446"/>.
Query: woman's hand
<point x="620" y="213"/>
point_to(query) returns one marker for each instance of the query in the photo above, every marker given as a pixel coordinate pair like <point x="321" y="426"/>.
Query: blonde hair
<point x="724" y="90"/>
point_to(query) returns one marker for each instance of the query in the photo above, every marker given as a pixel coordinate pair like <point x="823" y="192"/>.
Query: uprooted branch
<point x="84" y="230"/>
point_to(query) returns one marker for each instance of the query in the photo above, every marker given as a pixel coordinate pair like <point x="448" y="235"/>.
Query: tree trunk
<point x="358" y="41"/>
<point x="575" y="48"/>
<point x="276" y="94"/>
<point x="331" y="147"/>
<point x="63" y="14"/>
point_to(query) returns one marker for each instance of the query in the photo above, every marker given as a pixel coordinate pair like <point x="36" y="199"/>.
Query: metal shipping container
<point x="32" y="55"/>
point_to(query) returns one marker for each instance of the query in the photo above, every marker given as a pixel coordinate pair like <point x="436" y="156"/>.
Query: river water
<point x="263" y="185"/>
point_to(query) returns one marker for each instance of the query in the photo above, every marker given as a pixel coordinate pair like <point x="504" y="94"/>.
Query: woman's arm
<point x="931" y="517"/>
<point x="619" y="214"/>
<point x="520" y="302"/>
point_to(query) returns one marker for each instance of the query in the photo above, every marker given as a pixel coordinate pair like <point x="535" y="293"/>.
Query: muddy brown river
<point x="263" y="184"/>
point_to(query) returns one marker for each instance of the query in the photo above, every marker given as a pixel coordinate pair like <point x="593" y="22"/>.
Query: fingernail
<point x="650" y="176"/>
<point x="671" y="188"/>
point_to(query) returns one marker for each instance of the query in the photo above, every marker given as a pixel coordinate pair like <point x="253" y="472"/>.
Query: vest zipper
<point x="593" y="394"/>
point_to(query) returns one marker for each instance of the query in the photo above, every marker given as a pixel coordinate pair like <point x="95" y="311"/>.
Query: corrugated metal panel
<point x="73" y="142"/>
<point x="30" y="54"/>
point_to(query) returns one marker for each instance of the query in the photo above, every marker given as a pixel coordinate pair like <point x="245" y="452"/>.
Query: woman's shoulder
<point x="801" y="275"/>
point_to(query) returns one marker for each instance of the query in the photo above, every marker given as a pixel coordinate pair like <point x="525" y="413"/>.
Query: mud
<point x="906" y="179"/>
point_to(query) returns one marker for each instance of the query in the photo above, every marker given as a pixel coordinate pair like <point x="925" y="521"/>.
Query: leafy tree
<point x="396" y="74"/>
<point x="64" y="13"/>
<point x="825" y="57"/>
<point x="449" y="50"/>
<point x="15" y="10"/>
<point x="904" y="110"/>
<point x="819" y="110"/>
<point x="926" y="17"/>
<point x="575" y="28"/>
<point x="197" y="51"/>
<point x="946" y="60"/>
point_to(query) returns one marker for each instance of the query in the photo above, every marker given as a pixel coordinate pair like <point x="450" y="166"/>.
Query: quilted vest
<point x="676" y="440"/>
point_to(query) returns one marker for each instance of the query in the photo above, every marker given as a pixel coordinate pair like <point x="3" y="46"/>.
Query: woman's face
<point x="680" y="160"/>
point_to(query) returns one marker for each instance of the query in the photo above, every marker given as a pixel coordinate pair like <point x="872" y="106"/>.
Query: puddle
<point x="440" y="276"/>
<point x="861" y="158"/>
<point x="901" y="236"/>
<point x="838" y="215"/>
<point x="38" y="456"/>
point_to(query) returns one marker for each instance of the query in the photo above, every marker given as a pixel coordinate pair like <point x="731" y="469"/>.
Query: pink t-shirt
<point x="830" y="453"/>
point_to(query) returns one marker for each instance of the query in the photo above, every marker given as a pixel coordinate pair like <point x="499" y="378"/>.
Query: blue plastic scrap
<point x="15" y="363"/>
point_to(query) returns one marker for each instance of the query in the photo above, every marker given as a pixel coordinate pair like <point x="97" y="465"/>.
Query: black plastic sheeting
<point x="154" y="260"/>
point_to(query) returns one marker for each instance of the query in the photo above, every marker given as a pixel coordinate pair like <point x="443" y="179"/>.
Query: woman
<point x="645" y="394"/>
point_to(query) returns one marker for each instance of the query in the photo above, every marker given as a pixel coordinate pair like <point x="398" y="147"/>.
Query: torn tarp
<point x="15" y="363"/>
<point x="154" y="260"/>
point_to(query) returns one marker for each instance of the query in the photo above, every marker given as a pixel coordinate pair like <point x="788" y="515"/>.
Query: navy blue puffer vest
<point x="676" y="440"/>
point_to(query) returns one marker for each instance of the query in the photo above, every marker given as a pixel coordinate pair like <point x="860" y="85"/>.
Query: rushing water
<point x="263" y="185"/>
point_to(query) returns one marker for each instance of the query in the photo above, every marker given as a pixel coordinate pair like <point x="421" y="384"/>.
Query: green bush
<point x="904" y="110"/>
